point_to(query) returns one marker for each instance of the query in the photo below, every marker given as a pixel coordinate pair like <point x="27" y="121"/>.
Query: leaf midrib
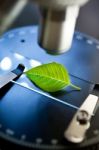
<point x="48" y="77"/>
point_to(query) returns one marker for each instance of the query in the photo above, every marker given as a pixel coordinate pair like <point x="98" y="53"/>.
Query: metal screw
<point x="83" y="117"/>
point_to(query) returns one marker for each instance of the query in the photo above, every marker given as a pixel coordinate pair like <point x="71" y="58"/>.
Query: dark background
<point x="88" y="20"/>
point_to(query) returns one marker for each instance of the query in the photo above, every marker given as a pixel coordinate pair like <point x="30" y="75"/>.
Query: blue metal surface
<point x="30" y="119"/>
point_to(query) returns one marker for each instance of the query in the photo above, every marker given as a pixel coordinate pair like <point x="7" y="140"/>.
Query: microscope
<point x="57" y="24"/>
<point x="29" y="117"/>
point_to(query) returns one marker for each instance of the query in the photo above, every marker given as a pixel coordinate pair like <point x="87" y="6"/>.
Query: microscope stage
<point x="30" y="119"/>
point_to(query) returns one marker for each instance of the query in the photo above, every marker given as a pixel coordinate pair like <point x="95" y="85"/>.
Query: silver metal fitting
<point x="57" y="28"/>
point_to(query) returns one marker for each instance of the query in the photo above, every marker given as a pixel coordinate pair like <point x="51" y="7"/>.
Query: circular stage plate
<point x="31" y="120"/>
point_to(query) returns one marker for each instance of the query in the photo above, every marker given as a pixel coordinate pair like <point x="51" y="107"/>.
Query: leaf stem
<point x="75" y="87"/>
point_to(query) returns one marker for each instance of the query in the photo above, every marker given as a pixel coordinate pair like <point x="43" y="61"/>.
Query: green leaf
<point x="50" y="77"/>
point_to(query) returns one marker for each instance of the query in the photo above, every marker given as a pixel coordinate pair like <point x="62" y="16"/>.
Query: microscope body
<point x="57" y="24"/>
